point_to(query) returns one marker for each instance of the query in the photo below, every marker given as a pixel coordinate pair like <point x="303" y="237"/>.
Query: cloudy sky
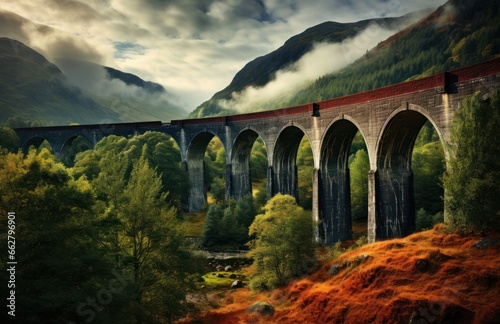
<point x="192" y="47"/>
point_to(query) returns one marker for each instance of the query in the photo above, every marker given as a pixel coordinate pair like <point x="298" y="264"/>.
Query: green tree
<point x="161" y="152"/>
<point x="68" y="154"/>
<point x="9" y="139"/>
<point x="212" y="225"/>
<point x="471" y="180"/>
<point x="258" y="160"/>
<point x="283" y="246"/>
<point x="231" y="231"/>
<point x="219" y="190"/>
<point x="428" y="165"/>
<point x="305" y="167"/>
<point x="143" y="238"/>
<point x="215" y="161"/>
<point x="261" y="196"/>
<point x="359" y="168"/>
<point x="228" y="225"/>
<point x="245" y="211"/>
<point x="59" y="264"/>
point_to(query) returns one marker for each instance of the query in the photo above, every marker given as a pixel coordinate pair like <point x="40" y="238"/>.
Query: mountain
<point x="262" y="70"/>
<point x="133" y="98"/>
<point x="131" y="79"/>
<point x="458" y="33"/>
<point x="33" y="90"/>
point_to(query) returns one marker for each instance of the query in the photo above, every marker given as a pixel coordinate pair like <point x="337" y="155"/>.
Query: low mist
<point x="323" y="59"/>
<point x="132" y="102"/>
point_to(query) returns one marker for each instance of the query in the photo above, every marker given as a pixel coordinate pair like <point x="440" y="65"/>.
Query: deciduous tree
<point x="283" y="246"/>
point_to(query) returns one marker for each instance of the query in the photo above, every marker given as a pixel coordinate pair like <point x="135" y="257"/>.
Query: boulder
<point x="486" y="243"/>
<point x="334" y="269"/>
<point x="233" y="276"/>
<point x="237" y="284"/>
<point x="422" y="265"/>
<point x="228" y="268"/>
<point x="261" y="307"/>
<point x="360" y="258"/>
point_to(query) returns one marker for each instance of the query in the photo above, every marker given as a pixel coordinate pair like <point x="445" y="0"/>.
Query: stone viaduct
<point x="388" y="118"/>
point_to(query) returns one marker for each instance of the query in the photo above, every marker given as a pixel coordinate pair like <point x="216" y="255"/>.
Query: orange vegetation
<point x="459" y="285"/>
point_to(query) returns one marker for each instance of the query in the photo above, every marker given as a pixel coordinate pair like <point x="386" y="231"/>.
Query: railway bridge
<point x="389" y="120"/>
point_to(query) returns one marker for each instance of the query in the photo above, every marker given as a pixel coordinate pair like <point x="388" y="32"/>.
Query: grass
<point x="460" y="285"/>
<point x="193" y="224"/>
<point x="213" y="281"/>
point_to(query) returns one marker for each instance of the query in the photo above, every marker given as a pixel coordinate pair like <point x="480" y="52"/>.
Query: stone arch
<point x="67" y="145"/>
<point x="35" y="141"/>
<point x="395" y="201"/>
<point x="196" y="169"/>
<point x="334" y="197"/>
<point x="410" y="107"/>
<point x="241" y="180"/>
<point x="284" y="169"/>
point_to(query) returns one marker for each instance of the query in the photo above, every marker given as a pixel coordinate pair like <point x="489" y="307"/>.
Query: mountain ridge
<point x="262" y="70"/>
<point x="34" y="90"/>
<point x="112" y="73"/>
<point x="456" y="34"/>
<point x="37" y="92"/>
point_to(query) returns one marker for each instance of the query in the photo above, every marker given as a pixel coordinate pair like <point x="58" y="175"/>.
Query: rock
<point x="228" y="268"/>
<point x="236" y="284"/>
<point x="262" y="308"/>
<point x="396" y="246"/>
<point x="360" y="258"/>
<point x="219" y="267"/>
<point x="337" y="267"/>
<point x="334" y="269"/>
<point x="233" y="276"/>
<point x="220" y="275"/>
<point x="486" y="243"/>
<point x="422" y="265"/>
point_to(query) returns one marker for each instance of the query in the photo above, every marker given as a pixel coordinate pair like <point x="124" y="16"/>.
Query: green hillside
<point x="468" y="32"/>
<point x="261" y="70"/>
<point x="458" y="33"/>
<point x="126" y="94"/>
<point x="33" y="90"/>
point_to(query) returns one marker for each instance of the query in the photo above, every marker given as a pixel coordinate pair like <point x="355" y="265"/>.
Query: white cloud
<point x="192" y="47"/>
<point x="322" y="59"/>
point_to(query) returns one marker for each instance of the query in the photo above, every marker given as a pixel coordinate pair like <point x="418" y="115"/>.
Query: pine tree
<point x="471" y="188"/>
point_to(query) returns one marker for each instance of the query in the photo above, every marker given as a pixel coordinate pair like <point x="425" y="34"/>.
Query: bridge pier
<point x="315" y="204"/>
<point x="334" y="183"/>
<point x="372" y="207"/>
<point x="285" y="173"/>
<point x="240" y="176"/>
<point x="197" y="191"/>
<point x="270" y="177"/>
<point x="229" y="191"/>
<point x="395" y="216"/>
